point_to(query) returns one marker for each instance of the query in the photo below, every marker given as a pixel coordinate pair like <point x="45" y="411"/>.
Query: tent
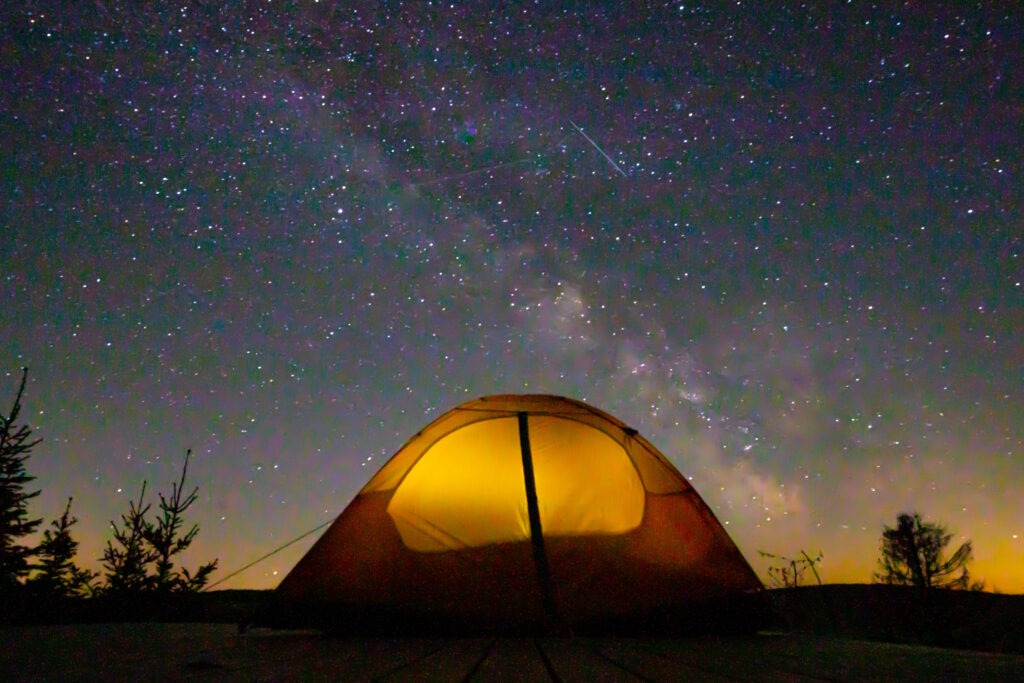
<point x="521" y="511"/>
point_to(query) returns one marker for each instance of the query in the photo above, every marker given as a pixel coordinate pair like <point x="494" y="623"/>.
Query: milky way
<point x="785" y="246"/>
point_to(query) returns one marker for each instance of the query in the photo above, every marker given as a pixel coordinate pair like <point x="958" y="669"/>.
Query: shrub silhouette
<point x="786" y="572"/>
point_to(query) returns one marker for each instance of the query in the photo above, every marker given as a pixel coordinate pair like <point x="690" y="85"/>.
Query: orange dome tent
<point x="512" y="512"/>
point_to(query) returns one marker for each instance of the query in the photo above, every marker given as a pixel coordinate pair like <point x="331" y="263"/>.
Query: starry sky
<point x="784" y="243"/>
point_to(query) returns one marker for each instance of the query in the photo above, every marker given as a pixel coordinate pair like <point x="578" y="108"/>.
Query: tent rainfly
<point x="523" y="512"/>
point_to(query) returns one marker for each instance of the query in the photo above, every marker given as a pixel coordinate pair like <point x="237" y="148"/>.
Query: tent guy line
<point x="269" y="554"/>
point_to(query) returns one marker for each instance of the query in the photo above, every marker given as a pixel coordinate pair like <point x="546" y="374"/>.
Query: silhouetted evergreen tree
<point x="58" y="574"/>
<point x="141" y="555"/>
<point x="165" y="538"/>
<point x="912" y="556"/>
<point x="126" y="559"/>
<point x="15" y="447"/>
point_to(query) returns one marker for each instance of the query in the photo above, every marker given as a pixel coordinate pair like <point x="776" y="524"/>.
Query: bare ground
<point x="157" y="652"/>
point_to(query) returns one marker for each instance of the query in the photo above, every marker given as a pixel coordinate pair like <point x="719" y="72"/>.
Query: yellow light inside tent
<point x="468" y="489"/>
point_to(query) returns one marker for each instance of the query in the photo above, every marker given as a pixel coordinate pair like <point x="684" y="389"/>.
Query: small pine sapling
<point x="57" y="572"/>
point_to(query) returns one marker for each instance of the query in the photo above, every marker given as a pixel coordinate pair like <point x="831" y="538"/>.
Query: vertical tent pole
<point x="540" y="556"/>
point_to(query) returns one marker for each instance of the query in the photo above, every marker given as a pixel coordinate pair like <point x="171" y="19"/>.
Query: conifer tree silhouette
<point x="142" y="553"/>
<point x="58" y="574"/>
<point x="15" y="447"/>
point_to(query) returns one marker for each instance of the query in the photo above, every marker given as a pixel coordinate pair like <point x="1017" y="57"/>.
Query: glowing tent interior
<point x="515" y="512"/>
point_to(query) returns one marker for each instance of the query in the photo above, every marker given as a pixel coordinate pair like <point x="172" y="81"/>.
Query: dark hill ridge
<point x="901" y="614"/>
<point x="223" y="607"/>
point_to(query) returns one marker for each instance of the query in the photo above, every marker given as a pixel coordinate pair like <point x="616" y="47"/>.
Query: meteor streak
<point x="610" y="161"/>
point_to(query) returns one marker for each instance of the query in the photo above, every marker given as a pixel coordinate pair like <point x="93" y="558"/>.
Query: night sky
<point x="288" y="236"/>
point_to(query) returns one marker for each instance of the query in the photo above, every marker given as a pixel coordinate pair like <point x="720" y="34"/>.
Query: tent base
<point x="732" y="615"/>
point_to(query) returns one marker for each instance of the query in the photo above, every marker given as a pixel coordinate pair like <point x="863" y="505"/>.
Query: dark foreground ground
<point x="834" y="633"/>
<point x="214" y="652"/>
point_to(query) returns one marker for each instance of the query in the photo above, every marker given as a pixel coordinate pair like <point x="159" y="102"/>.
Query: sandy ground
<point x="212" y="652"/>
